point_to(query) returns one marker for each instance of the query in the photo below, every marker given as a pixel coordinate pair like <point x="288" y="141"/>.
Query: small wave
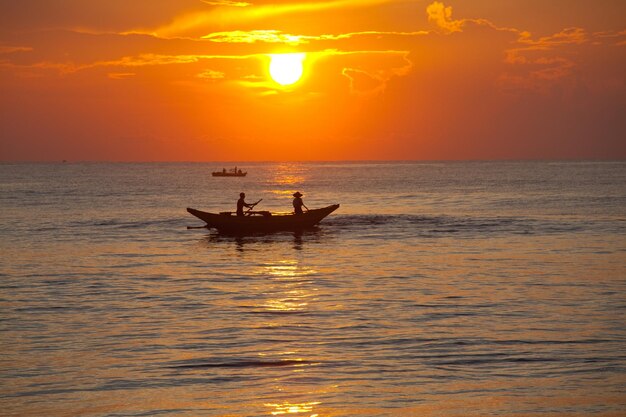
<point x="437" y="226"/>
<point x="244" y="364"/>
<point x="278" y="312"/>
<point x="121" y="224"/>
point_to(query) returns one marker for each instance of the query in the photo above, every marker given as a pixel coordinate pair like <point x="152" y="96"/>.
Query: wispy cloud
<point x="269" y="36"/>
<point x="524" y="60"/>
<point x="226" y="3"/>
<point x="5" y="49"/>
<point x="211" y="75"/>
<point x="189" y="23"/>
<point x="533" y="63"/>
<point x="120" y="75"/>
<point x="567" y="36"/>
<point x="618" y="38"/>
<point x="541" y="60"/>
<point x="372" y="80"/>
<point x="143" y="60"/>
<point x="277" y="36"/>
<point x="134" y="61"/>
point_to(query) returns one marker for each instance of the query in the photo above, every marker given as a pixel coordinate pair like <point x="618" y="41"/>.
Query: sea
<point x="436" y="289"/>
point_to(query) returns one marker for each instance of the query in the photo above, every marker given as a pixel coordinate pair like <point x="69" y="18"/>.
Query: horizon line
<point x="105" y="161"/>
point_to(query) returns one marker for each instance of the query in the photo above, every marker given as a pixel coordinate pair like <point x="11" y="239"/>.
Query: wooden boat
<point x="262" y="221"/>
<point x="230" y="173"/>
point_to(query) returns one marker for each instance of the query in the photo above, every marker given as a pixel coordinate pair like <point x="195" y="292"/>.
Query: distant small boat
<point x="230" y="173"/>
<point x="262" y="221"/>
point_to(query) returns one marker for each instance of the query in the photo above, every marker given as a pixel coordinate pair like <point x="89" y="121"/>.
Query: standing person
<point x="241" y="203"/>
<point x="298" y="203"/>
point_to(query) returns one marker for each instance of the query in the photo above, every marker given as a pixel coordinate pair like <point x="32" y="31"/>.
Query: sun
<point x="286" y="69"/>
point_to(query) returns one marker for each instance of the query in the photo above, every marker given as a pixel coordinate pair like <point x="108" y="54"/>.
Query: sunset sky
<point x="189" y="80"/>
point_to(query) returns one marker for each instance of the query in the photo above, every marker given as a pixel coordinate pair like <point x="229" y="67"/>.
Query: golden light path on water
<point x="289" y="295"/>
<point x="288" y="292"/>
<point x="288" y="408"/>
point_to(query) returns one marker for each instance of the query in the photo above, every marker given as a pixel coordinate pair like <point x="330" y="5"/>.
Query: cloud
<point x="146" y="59"/>
<point x="525" y="61"/>
<point x="211" y="75"/>
<point x="226" y="3"/>
<point x="534" y="64"/>
<point x="120" y="75"/>
<point x="277" y="36"/>
<point x="567" y="36"/>
<point x="565" y="60"/>
<point x="189" y="24"/>
<point x="131" y="61"/>
<point x="618" y="38"/>
<point x="530" y="67"/>
<point x="269" y="36"/>
<point x="370" y="76"/>
<point x="398" y="72"/>
<point x="442" y="17"/>
<point x="38" y="69"/>
<point x="363" y="83"/>
<point x="5" y="49"/>
<point x="537" y="63"/>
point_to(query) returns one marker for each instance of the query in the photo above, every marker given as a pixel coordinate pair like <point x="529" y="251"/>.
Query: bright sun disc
<point x="286" y="69"/>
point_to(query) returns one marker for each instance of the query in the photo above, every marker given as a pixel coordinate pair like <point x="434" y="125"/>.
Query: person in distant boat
<point x="241" y="204"/>
<point x="223" y="170"/>
<point x="298" y="203"/>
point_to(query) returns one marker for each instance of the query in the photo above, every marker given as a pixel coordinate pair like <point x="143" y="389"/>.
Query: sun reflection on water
<point x="289" y="291"/>
<point x="286" y="269"/>
<point x="290" y="295"/>
<point x="287" y="179"/>
<point x="284" y="305"/>
<point x="289" y="408"/>
<point x="287" y="174"/>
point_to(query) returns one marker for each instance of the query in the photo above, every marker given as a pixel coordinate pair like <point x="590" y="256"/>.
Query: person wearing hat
<point x="298" y="203"/>
<point x="241" y="204"/>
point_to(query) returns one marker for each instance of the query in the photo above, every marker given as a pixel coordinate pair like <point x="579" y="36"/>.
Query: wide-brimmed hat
<point x="297" y="194"/>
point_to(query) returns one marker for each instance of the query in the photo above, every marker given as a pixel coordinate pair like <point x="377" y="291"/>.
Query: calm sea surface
<point x="437" y="289"/>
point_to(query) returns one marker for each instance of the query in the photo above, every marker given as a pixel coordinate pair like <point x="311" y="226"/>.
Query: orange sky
<point x="188" y="80"/>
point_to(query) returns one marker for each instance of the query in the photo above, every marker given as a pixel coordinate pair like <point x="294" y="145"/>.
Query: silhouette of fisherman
<point x="298" y="203"/>
<point x="241" y="204"/>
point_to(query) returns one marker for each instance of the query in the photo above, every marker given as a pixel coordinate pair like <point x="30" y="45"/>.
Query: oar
<point x="253" y="206"/>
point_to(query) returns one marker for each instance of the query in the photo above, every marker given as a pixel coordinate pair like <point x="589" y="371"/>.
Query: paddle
<point x="254" y="204"/>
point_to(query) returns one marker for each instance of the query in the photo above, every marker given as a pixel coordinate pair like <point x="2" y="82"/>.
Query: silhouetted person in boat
<point x="298" y="203"/>
<point x="241" y="204"/>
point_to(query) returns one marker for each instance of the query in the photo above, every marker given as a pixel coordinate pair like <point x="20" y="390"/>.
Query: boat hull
<point x="228" y="174"/>
<point x="227" y="223"/>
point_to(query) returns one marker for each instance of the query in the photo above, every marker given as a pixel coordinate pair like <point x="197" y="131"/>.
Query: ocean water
<point x="436" y="289"/>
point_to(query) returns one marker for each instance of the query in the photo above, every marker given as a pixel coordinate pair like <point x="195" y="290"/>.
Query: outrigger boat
<point x="262" y="221"/>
